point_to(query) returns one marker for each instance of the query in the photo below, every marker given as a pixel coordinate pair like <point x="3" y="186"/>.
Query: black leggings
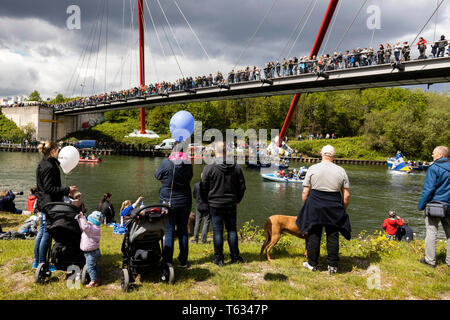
<point x="315" y="234"/>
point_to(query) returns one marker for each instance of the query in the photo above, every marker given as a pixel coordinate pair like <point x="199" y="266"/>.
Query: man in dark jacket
<point x="7" y="202"/>
<point x="222" y="188"/>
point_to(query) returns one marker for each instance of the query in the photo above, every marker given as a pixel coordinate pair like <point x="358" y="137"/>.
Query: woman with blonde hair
<point x="48" y="182"/>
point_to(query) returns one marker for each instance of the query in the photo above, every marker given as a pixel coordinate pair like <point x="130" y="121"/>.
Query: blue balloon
<point x="182" y="125"/>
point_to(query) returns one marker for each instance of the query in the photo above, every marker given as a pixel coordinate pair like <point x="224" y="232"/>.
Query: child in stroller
<point x="65" y="251"/>
<point x="142" y="245"/>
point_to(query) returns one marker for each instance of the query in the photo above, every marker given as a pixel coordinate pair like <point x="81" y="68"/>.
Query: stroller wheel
<point x="85" y="278"/>
<point x="168" y="273"/>
<point x="41" y="273"/>
<point x="125" y="283"/>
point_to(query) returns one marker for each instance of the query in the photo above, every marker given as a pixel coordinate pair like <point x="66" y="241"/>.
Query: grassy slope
<point x="402" y="276"/>
<point x="346" y="148"/>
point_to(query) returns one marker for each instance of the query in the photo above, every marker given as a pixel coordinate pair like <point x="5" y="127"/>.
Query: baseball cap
<point x="328" y="150"/>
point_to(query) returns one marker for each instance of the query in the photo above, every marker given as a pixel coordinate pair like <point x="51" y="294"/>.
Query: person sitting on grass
<point x="391" y="224"/>
<point x="126" y="208"/>
<point x="7" y="201"/>
<point x="90" y="244"/>
<point x="405" y="233"/>
<point x="31" y="201"/>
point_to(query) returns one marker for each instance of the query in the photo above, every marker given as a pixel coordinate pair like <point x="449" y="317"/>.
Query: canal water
<point x="374" y="189"/>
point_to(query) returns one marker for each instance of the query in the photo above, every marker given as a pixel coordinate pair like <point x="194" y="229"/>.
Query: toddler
<point x="90" y="244"/>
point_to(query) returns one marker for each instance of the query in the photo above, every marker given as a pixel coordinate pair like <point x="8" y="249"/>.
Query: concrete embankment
<point x="164" y="153"/>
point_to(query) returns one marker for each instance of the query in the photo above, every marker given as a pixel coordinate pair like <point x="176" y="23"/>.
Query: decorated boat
<point x="398" y="163"/>
<point x="90" y="160"/>
<point x="293" y="176"/>
<point x="277" y="178"/>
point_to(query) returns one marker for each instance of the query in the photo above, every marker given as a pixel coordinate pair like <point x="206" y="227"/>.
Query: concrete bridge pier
<point x="50" y="126"/>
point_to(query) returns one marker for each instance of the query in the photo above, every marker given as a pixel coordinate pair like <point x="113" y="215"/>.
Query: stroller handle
<point x="137" y="212"/>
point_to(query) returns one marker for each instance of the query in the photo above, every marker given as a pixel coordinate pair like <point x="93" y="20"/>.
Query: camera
<point x="18" y="193"/>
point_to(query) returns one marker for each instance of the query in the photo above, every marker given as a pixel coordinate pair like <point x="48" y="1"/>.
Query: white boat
<point x="397" y="163"/>
<point x="274" y="177"/>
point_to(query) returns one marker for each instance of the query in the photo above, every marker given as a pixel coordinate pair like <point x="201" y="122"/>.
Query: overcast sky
<point x="40" y="51"/>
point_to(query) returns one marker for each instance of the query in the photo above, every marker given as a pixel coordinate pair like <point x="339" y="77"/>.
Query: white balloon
<point x="68" y="158"/>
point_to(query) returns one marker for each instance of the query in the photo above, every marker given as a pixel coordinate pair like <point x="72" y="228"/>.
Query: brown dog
<point x="275" y="226"/>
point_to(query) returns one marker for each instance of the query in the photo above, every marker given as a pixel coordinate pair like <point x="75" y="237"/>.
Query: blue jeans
<point x="92" y="264"/>
<point x="42" y="241"/>
<point x="177" y="217"/>
<point x="219" y="217"/>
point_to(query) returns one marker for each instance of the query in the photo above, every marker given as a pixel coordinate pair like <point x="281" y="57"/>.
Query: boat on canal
<point x="90" y="160"/>
<point x="276" y="178"/>
<point x="398" y="164"/>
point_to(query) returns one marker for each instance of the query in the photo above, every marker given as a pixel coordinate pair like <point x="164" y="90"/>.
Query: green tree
<point x="34" y="96"/>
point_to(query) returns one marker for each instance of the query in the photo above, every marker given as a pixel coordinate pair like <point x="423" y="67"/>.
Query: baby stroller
<point x="65" y="251"/>
<point x="143" y="243"/>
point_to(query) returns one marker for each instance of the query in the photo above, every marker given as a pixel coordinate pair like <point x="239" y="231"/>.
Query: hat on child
<point x="96" y="218"/>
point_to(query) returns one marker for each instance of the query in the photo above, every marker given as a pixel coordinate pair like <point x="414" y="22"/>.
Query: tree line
<point x="389" y="119"/>
<point x="386" y="119"/>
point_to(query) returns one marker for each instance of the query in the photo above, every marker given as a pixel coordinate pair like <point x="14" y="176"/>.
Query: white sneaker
<point x="332" y="270"/>
<point x="309" y="267"/>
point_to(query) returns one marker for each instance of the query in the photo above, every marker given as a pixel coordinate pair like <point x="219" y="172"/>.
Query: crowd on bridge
<point x="355" y="58"/>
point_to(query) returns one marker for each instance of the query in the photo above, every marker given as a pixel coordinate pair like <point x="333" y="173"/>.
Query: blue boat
<point x="398" y="163"/>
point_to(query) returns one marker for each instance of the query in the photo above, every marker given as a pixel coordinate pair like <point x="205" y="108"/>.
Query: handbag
<point x="436" y="209"/>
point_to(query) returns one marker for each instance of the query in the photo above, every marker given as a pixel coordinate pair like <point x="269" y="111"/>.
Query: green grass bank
<point x="370" y="268"/>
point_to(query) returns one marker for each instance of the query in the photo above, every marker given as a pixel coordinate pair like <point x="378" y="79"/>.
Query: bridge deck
<point x="428" y="71"/>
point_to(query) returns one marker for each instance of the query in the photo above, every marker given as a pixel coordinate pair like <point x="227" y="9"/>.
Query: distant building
<point x="12" y="100"/>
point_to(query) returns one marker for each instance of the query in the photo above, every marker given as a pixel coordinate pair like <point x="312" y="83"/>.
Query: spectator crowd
<point x="355" y="58"/>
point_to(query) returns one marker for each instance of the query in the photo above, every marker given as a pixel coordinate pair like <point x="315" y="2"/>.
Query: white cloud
<point x="39" y="54"/>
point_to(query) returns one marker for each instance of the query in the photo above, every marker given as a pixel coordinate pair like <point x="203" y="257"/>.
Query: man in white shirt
<point x="325" y="198"/>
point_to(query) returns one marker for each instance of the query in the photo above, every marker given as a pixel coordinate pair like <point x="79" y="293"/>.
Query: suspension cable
<point x="190" y="27"/>
<point x="173" y="53"/>
<point x="121" y="39"/>
<point x="98" y="48"/>
<point x="151" y="51"/>
<point x="82" y="57"/>
<point x="83" y="84"/>
<point x="435" y="23"/>
<point x="156" y="30"/>
<point x="431" y="17"/>
<point x="295" y="29"/>
<point x="170" y="27"/>
<point x="106" y="44"/>
<point x="303" y="27"/>
<point x="254" y="34"/>
<point x="332" y="26"/>
<point x="350" y="26"/>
